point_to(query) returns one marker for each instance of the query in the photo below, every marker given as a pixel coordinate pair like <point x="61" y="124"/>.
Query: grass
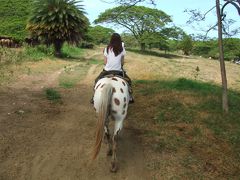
<point x="42" y="52"/>
<point x="173" y="107"/>
<point x="10" y="56"/>
<point x="38" y="53"/>
<point x="170" y="111"/>
<point x="187" y="127"/>
<point x="181" y="84"/>
<point x="21" y="60"/>
<point x="72" y="75"/>
<point x="154" y="53"/>
<point x="52" y="94"/>
<point x="71" y="52"/>
<point x="96" y="61"/>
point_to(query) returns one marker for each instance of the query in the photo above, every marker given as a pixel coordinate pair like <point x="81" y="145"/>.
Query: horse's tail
<point x="104" y="103"/>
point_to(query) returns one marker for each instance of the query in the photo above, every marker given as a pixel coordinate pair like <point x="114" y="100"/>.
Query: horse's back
<point x="119" y="96"/>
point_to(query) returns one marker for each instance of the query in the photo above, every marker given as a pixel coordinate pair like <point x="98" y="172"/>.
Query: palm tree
<point x="57" y="21"/>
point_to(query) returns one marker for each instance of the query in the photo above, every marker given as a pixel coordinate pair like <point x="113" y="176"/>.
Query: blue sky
<point x="175" y="9"/>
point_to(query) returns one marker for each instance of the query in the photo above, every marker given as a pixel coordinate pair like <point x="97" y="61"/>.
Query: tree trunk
<point x="221" y="59"/>
<point x="186" y="53"/>
<point x="143" y="46"/>
<point x="57" y="47"/>
<point x="150" y="46"/>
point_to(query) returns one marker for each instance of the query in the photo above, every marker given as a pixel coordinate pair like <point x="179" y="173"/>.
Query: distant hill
<point x="13" y="17"/>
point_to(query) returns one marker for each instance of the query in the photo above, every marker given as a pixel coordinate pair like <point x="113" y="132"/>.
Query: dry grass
<point x="150" y="67"/>
<point x="18" y="72"/>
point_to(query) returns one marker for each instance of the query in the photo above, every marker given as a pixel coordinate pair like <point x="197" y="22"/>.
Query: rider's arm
<point x="105" y="60"/>
<point x="105" y="55"/>
<point x="122" y="60"/>
<point x="123" y="54"/>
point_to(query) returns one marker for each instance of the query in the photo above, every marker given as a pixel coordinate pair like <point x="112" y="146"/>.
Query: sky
<point x="174" y="8"/>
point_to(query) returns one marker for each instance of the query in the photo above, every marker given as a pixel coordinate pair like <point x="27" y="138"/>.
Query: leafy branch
<point x="197" y="16"/>
<point x="127" y="2"/>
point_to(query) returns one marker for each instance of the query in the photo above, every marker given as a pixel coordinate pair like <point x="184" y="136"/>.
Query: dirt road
<point x="40" y="139"/>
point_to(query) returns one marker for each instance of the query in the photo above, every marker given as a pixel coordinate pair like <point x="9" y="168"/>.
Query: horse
<point x="111" y="99"/>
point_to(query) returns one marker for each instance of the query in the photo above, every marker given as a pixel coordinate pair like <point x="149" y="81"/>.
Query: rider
<point x="114" y="59"/>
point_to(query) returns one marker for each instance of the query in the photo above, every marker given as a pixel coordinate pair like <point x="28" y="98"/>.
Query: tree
<point x="231" y="48"/>
<point x="227" y="24"/>
<point x="128" y="2"/>
<point x="13" y="17"/>
<point x="221" y="59"/>
<point x="196" y="16"/>
<point x="99" y="34"/>
<point x="57" y="21"/>
<point x="221" y="16"/>
<point x="205" y="48"/>
<point x="186" y="44"/>
<point x="139" y="20"/>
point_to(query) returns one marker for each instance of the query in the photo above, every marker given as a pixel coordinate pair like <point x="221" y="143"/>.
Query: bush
<point x="86" y="45"/>
<point x="210" y="48"/>
<point x="202" y="50"/>
<point x="52" y="94"/>
<point x="38" y="53"/>
<point x="70" y="51"/>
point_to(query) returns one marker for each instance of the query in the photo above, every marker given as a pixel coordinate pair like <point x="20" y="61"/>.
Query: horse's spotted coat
<point x="121" y="90"/>
<point x="98" y="86"/>
<point x="115" y="79"/>
<point x="119" y="99"/>
<point x="111" y="100"/>
<point x="117" y="102"/>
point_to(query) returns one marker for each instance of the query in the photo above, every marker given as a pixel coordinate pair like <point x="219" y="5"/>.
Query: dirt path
<point x="44" y="140"/>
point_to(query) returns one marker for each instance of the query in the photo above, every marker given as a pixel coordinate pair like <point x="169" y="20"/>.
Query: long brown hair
<point x="115" y="44"/>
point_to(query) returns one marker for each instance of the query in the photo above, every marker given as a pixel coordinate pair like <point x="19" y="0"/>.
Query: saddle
<point x="115" y="75"/>
<point x="120" y="74"/>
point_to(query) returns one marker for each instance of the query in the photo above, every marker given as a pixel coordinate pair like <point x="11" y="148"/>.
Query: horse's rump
<point x="120" y="94"/>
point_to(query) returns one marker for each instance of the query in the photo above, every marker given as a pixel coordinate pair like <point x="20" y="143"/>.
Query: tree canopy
<point x="57" y="21"/>
<point x="99" y="34"/>
<point x="13" y="18"/>
<point x="129" y="2"/>
<point x="186" y="44"/>
<point x="139" y="20"/>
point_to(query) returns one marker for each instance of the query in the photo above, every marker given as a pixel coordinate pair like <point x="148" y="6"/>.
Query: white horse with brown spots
<point x="111" y="99"/>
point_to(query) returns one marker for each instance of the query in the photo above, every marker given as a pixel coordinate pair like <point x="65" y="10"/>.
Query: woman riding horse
<point x="114" y="60"/>
<point x="111" y="98"/>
